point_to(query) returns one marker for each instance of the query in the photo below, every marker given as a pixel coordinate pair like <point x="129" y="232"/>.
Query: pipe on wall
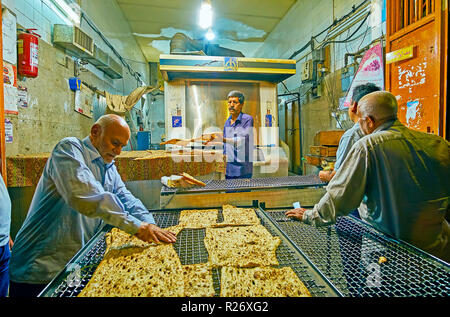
<point x="297" y="98"/>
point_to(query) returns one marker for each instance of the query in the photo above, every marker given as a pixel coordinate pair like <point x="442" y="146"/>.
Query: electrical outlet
<point x="306" y="70"/>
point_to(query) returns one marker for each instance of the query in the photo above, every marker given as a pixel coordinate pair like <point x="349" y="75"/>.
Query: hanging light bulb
<point x="210" y="35"/>
<point x="206" y="15"/>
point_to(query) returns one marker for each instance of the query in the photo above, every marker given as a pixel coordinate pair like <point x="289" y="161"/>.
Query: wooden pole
<point x="2" y="110"/>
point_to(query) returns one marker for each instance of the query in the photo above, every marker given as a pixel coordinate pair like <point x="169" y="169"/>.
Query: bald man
<point x="403" y="173"/>
<point x="79" y="191"/>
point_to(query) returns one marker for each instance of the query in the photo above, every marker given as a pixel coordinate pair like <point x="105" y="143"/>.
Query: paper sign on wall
<point x="9" y="27"/>
<point x="22" y="96"/>
<point x="84" y="101"/>
<point x="10" y="88"/>
<point x="8" y="131"/>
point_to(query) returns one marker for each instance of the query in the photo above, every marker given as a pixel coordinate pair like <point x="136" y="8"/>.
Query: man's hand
<point x="326" y="176"/>
<point x="216" y="137"/>
<point x="152" y="233"/>
<point x="296" y="213"/>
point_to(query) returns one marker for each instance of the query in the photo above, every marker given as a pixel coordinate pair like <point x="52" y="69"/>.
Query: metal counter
<point x="232" y="185"/>
<point x="274" y="191"/>
<point x="363" y="262"/>
<point x="191" y="250"/>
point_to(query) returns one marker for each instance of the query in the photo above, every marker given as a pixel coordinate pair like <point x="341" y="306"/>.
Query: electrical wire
<point x="335" y="22"/>
<point x="133" y="73"/>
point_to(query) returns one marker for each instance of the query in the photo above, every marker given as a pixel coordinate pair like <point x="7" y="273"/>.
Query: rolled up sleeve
<point x="344" y="192"/>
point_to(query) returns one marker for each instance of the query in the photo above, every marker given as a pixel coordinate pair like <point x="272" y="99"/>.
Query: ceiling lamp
<point x="206" y="14"/>
<point x="210" y="35"/>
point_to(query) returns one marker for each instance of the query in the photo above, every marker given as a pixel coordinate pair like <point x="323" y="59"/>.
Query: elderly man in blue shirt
<point x="237" y="138"/>
<point x="79" y="190"/>
<point x="403" y="173"/>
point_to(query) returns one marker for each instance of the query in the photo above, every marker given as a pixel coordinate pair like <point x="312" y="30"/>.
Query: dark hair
<point x="362" y="90"/>
<point x="236" y="93"/>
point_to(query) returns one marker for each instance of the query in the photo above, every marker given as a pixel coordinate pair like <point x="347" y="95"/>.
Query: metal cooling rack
<point x="191" y="250"/>
<point x="349" y="254"/>
<point x="298" y="181"/>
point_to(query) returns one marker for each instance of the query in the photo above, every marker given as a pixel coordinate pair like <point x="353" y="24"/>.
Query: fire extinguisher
<point x="27" y="50"/>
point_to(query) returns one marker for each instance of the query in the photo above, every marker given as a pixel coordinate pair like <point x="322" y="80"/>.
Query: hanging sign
<point x="370" y="70"/>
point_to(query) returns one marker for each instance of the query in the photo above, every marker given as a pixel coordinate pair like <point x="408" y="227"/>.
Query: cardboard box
<point x="323" y="150"/>
<point x="330" y="138"/>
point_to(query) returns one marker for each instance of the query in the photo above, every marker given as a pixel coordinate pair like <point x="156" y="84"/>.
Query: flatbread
<point x="261" y="282"/>
<point x="119" y="239"/>
<point x="198" y="280"/>
<point x="239" y="216"/>
<point x="154" y="271"/>
<point x="241" y="246"/>
<point x="196" y="219"/>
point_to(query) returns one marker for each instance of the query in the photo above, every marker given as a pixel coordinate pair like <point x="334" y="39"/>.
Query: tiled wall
<point x="51" y="101"/>
<point x="304" y="20"/>
<point x="308" y="18"/>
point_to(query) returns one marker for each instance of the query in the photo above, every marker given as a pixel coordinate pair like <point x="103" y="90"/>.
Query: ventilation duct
<point x="182" y="44"/>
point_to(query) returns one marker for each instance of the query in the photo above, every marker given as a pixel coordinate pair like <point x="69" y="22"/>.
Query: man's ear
<point x="96" y="130"/>
<point x="372" y="121"/>
<point x="354" y="107"/>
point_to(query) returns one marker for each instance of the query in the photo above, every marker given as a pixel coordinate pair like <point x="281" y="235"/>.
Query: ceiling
<point x="241" y="25"/>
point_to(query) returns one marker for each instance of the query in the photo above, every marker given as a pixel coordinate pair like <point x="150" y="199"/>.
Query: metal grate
<point x="250" y="183"/>
<point x="191" y="250"/>
<point x="349" y="252"/>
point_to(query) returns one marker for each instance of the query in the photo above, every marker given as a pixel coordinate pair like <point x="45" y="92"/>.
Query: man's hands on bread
<point x="151" y="233"/>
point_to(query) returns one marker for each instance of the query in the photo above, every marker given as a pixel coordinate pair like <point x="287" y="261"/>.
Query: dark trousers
<point x="25" y="290"/>
<point x="5" y="254"/>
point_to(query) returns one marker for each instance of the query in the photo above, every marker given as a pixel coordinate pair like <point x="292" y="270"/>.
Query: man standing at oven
<point x="237" y="138"/>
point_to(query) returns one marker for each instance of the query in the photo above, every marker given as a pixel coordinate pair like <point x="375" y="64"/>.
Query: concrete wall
<point x="304" y="20"/>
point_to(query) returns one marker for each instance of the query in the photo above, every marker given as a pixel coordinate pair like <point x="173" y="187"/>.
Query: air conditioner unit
<point x="74" y="40"/>
<point x="99" y="58"/>
<point x="113" y="69"/>
<point x="307" y="70"/>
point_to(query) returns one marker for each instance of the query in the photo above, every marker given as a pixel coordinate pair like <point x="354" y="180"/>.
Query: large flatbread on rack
<point x="241" y="246"/>
<point x="119" y="239"/>
<point x="154" y="271"/>
<point x="201" y="218"/>
<point x="261" y="282"/>
<point x="198" y="280"/>
<point x="239" y="216"/>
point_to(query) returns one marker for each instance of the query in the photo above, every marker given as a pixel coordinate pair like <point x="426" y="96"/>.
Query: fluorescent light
<point x="206" y="15"/>
<point x="68" y="10"/>
<point x="210" y="35"/>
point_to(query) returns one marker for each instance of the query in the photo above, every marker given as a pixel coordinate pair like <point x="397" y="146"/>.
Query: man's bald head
<point x="379" y="105"/>
<point x="109" y="134"/>
<point x="108" y="119"/>
<point x="376" y="108"/>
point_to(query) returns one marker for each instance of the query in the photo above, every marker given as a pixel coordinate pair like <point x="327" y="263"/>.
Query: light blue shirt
<point x="405" y="175"/>
<point x="76" y="194"/>
<point x="350" y="137"/>
<point x="5" y="213"/>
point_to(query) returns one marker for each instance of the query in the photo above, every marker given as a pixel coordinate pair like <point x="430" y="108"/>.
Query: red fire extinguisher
<point x="27" y="50"/>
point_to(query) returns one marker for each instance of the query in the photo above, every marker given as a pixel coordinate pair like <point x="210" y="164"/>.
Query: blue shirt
<point x="239" y="148"/>
<point x="5" y="213"/>
<point x="76" y="194"/>
<point x="350" y="137"/>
